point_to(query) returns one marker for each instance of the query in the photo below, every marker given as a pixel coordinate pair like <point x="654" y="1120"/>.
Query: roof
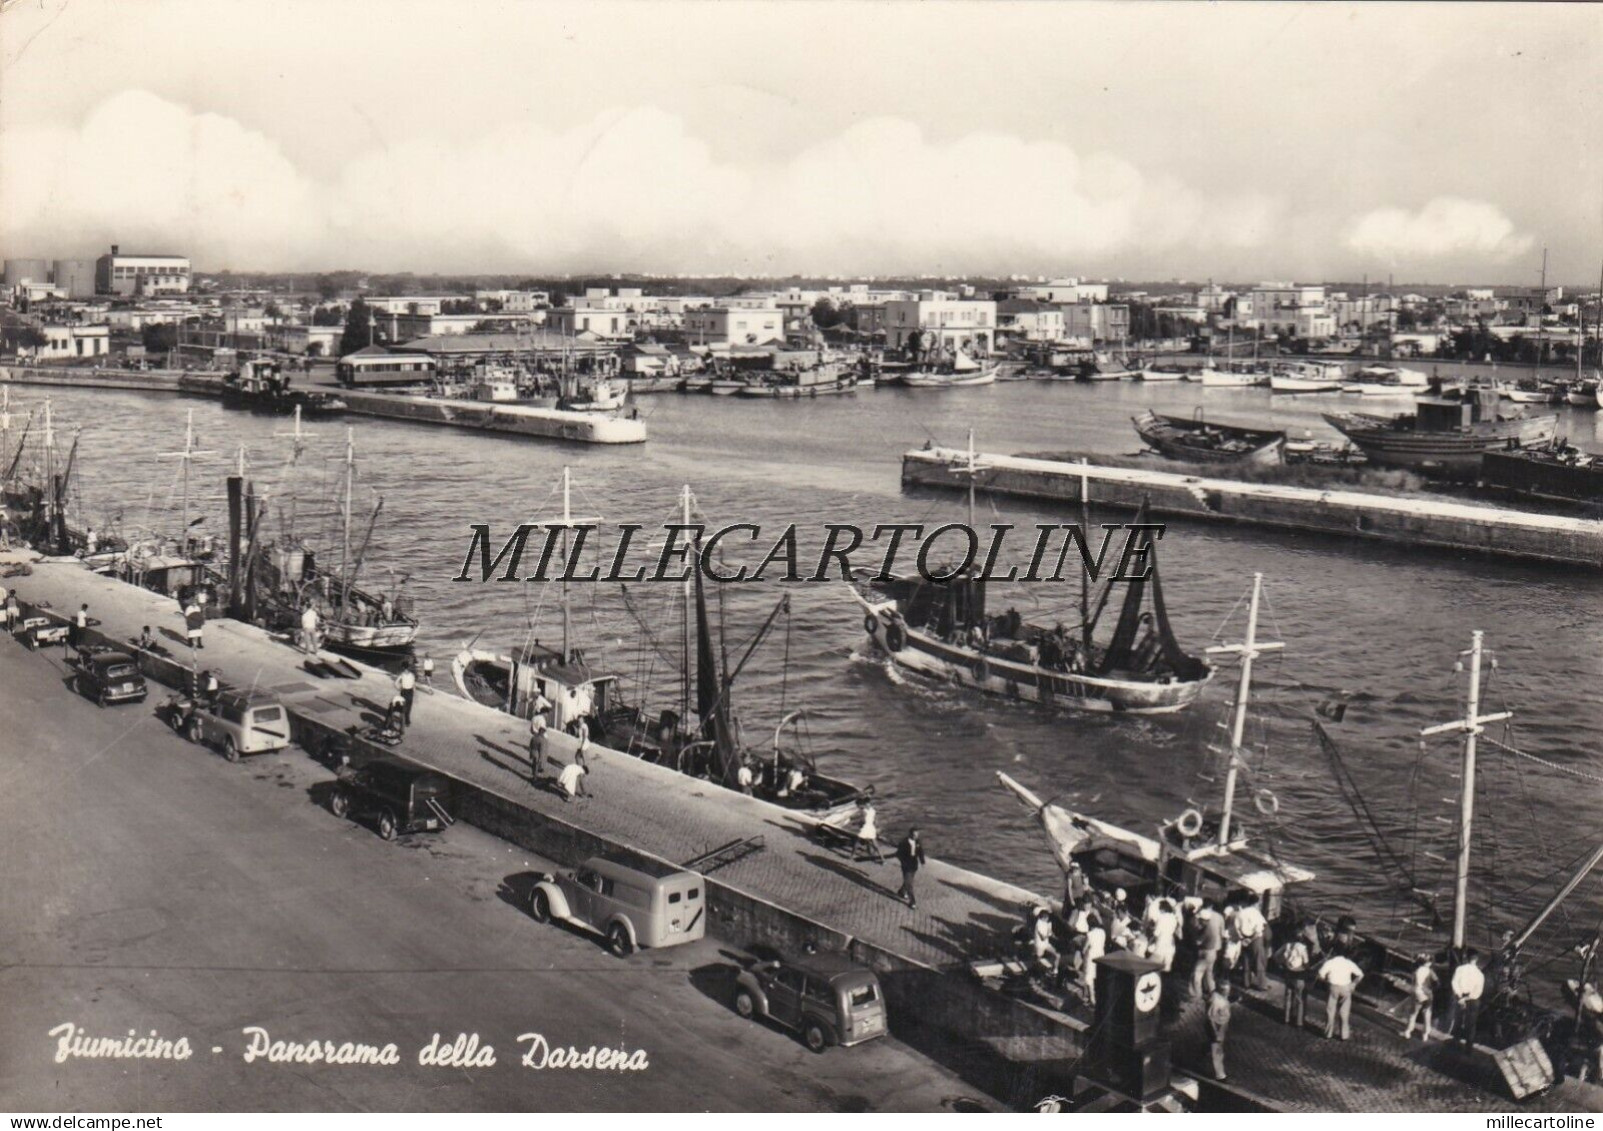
<point x="367" y="351"/>
<point x="656" y="869"/>
<point x="828" y="966"/>
<point x="108" y="658"/>
<point x="499" y="343"/>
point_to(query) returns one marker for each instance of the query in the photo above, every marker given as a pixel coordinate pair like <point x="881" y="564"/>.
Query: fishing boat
<point x="1445" y="435"/>
<point x="1306" y="377"/>
<point x="822" y="379"/>
<point x="726" y="386"/>
<point x="1232" y="375"/>
<point x="936" y="379"/>
<point x="1166" y="372"/>
<point x="1194" y="854"/>
<point x="696" y="731"/>
<point x="1384" y="381"/>
<point x="1530" y="391"/>
<point x="1108" y="367"/>
<point x="262" y="386"/>
<point x="1196" y="440"/>
<point x="1557" y="470"/>
<point x="600" y="395"/>
<point x="1582" y="394"/>
<point x="942" y="628"/>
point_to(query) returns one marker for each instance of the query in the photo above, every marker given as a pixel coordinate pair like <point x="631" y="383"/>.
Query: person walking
<point x="537" y="726"/>
<point x="910" y="855"/>
<point x="10" y="610"/>
<point x="194" y="624"/>
<point x="1295" y="960"/>
<point x="1467" y="985"/>
<point x="406" y="684"/>
<point x="1218" y="1029"/>
<point x="1341" y="976"/>
<point x="1424" y="987"/>
<point x="1254" y="931"/>
<point x="867" y="833"/>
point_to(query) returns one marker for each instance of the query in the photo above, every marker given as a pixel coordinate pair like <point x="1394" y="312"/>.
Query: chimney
<point x="114" y="249"/>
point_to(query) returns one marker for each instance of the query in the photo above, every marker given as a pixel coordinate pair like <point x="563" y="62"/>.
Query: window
<point x="693" y="894"/>
<point x="674" y="897"/>
<point x="587" y="879"/>
<point x="818" y="991"/>
<point x="863" y="995"/>
<point x="790" y="980"/>
<point x="604" y="885"/>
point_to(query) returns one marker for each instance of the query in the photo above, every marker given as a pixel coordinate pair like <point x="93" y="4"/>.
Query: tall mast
<point x="1085" y="574"/>
<point x="1249" y="649"/>
<point x="350" y="478"/>
<point x="1471" y="725"/>
<point x="188" y="455"/>
<point x="567" y="536"/>
<point x="1541" y="323"/>
<point x="684" y="671"/>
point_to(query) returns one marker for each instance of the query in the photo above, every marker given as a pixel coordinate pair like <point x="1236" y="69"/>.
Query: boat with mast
<point x="1445" y="435"/>
<point x="697" y="732"/>
<point x="941" y="628"/>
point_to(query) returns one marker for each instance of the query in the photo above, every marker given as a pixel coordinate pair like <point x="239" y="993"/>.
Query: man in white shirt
<point x="309" y="629"/>
<point x="1341" y="976"/>
<point x="571" y="779"/>
<point x="1254" y="930"/>
<point x="1165" y="925"/>
<point x="406" y="684"/>
<point x="1467" y="985"/>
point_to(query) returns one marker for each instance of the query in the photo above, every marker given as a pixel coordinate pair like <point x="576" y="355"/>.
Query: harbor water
<point x="1378" y="627"/>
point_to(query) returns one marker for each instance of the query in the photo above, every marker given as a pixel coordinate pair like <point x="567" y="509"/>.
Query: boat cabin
<point x="574" y="691"/>
<point x="179" y="578"/>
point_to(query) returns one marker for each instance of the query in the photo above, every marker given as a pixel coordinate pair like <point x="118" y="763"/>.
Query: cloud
<point x="633" y="188"/>
<point x="1445" y="226"/>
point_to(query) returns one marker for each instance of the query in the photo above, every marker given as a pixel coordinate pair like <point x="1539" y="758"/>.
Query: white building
<point x="955" y="323"/>
<point x="119" y="274"/>
<point x="63" y="342"/>
<point x="1278" y="307"/>
<point x="734" y="325"/>
<point x="1066" y="290"/>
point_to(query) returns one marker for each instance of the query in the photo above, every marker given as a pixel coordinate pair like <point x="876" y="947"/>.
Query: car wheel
<point x="230" y="751"/>
<point x="816" y="1038"/>
<point x="193" y="732"/>
<point x="386" y="825"/>
<point x="618" y="940"/>
<point x="340" y="803"/>
<point x="745" y="1005"/>
<point x="540" y="906"/>
<point x="101" y="700"/>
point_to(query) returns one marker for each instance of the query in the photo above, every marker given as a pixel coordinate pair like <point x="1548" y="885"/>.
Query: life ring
<point x="1189" y="824"/>
<point x="895" y="636"/>
<point x="982" y="670"/>
<point x="1266" y="803"/>
<point x="870" y="624"/>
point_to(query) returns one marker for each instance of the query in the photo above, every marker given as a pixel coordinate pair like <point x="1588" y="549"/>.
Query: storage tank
<point x="74" y="276"/>
<point x="18" y="271"/>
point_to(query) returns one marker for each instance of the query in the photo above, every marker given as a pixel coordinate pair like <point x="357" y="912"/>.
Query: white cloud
<point x="631" y="189"/>
<point x="1445" y="226"/>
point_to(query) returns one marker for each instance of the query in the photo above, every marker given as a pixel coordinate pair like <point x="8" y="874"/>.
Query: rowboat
<point x="1198" y="441"/>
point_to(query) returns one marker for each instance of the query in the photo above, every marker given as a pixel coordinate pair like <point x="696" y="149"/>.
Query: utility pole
<point x="1471" y="725"/>
<point x="1249" y="649"/>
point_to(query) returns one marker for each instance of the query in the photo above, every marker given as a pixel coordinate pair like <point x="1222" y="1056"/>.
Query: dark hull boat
<point x="262" y="386"/>
<point x="1445" y="436"/>
<point x="1557" y="471"/>
<point x="1199" y="441"/>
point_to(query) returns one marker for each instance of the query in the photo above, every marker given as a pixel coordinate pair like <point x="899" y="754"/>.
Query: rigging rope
<point x="1570" y="771"/>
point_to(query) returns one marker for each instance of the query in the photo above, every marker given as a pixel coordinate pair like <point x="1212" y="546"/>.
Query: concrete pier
<point x="1399" y="520"/>
<point x="793" y="894"/>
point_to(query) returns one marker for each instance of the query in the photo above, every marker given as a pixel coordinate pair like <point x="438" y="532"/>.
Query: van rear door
<point x="685" y="911"/>
<point x="865" y="1010"/>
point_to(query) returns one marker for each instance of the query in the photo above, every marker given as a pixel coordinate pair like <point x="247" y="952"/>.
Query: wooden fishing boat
<point x="1445" y="435"/>
<point x="1165" y="373"/>
<point x="1553" y="471"/>
<point x="1306" y="377"/>
<point x="1196" y="440"/>
<point x="937" y="379"/>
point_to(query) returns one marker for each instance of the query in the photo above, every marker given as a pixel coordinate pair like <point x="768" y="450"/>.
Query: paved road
<point x="151" y="885"/>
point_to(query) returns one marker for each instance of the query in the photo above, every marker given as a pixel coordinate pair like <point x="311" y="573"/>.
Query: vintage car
<point x="631" y="906"/>
<point x="38" y="632"/>
<point x="397" y="795"/>
<point x="824" y="997"/>
<point x="234" y="723"/>
<point x="108" y="677"/>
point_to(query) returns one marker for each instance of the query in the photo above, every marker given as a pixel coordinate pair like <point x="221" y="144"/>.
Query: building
<point x="74" y="277"/>
<point x="1364" y="313"/>
<point x="375" y="365"/>
<point x="1066" y="290"/>
<point x="605" y="321"/>
<point x="455" y="351"/>
<point x="416" y="304"/>
<point x="1277" y="308"/>
<point x="19" y="271"/>
<point x="954" y="323"/>
<point x="119" y="274"/>
<point x="734" y="326"/>
<point x="1095" y="322"/>
<point x="307" y="341"/>
<point x="511" y="302"/>
<point x="70" y="342"/>
<point x="1031" y="321"/>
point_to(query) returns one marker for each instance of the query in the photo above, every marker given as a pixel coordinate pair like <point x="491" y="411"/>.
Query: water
<point x="1383" y="624"/>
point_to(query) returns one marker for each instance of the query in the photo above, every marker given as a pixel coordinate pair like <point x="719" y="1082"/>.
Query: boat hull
<point x="1176" y="439"/>
<point x="1028" y="683"/>
<point x="1456" y="453"/>
<point x="1221" y="379"/>
<point x="1162" y="375"/>
<point x="948" y="380"/>
<point x="1279" y="384"/>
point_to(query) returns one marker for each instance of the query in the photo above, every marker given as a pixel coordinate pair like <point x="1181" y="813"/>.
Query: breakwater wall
<point x="1398" y="520"/>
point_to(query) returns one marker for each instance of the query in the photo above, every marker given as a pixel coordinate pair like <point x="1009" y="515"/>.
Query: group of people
<point x="1094" y="922"/>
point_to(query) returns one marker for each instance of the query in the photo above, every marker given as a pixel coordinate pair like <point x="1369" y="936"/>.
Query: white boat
<point x="726" y="386"/>
<point x="930" y="379"/>
<point x="601" y="396"/>
<point x="1385" y="381"/>
<point x="1308" y="377"/>
<point x="1213" y="378"/>
<point x="1163" y="373"/>
<point x="1583" y="395"/>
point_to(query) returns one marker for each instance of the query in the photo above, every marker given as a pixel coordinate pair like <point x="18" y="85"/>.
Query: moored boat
<point x="1165" y="373"/>
<point x="1229" y="376"/>
<point x="1196" y="440"/>
<point x="263" y="386"/>
<point x="1385" y="381"/>
<point x="1306" y="377"/>
<point x="1445" y="435"/>
<point x="1553" y="471"/>
<point x="936" y="379"/>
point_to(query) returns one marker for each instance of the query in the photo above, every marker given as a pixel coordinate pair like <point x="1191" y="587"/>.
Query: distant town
<point x="141" y="309"/>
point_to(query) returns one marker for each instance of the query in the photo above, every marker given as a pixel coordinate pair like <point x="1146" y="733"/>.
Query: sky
<point x="1440" y="142"/>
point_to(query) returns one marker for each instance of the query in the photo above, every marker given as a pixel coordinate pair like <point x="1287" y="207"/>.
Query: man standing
<point x="867" y="833"/>
<point x="1468" y="984"/>
<point x="744" y="778"/>
<point x="309" y="629"/>
<point x="1211" y="940"/>
<point x="77" y="633"/>
<point x="1341" y="976"/>
<point x="1218" y="1028"/>
<point x="910" y="855"/>
<point x="1294" y="961"/>
<point x="194" y="624"/>
<point x="1164" y="922"/>
<point x="1254" y="929"/>
<point x="406" y="684"/>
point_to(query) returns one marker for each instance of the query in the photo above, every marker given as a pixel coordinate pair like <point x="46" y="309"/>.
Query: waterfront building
<point x="1288" y="308"/>
<point x="306" y="341"/>
<point x="69" y="342"/>
<point x="1095" y="322"/>
<point x="940" y="318"/>
<point x="1025" y="319"/>
<point x="734" y="325"/>
<point x="119" y="274"/>
<point x="1066" y="291"/>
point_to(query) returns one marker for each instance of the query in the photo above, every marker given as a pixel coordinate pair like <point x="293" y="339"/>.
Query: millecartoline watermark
<point x="741" y="552"/>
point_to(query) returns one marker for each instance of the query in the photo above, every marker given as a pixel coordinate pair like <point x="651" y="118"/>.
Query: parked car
<point x="37" y="632"/>
<point x="631" y="906"/>
<point x="235" y="723"/>
<point x="397" y="795"/>
<point x="824" y="997"/>
<point x="109" y="677"/>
